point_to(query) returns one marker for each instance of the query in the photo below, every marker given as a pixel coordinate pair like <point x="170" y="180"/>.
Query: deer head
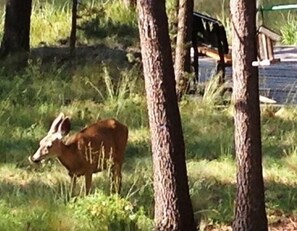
<point x="51" y="144"/>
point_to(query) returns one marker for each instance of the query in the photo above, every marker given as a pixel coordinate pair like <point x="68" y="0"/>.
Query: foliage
<point x="109" y="213"/>
<point x="278" y="21"/>
<point x="108" y="21"/>
<point x="289" y="30"/>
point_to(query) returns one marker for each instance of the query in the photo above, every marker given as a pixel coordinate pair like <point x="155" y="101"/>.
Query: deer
<point x="98" y="147"/>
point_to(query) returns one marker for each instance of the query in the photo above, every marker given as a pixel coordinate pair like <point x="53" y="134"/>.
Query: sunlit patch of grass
<point x="49" y="23"/>
<point x="279" y="173"/>
<point x="120" y="15"/>
<point x="35" y="214"/>
<point x="290" y="160"/>
<point x="212" y="189"/>
<point x="30" y="200"/>
<point x="222" y="170"/>
<point x="201" y="124"/>
<point x="139" y="135"/>
<point x="289" y="30"/>
<point x="107" y="22"/>
<point x="287" y="113"/>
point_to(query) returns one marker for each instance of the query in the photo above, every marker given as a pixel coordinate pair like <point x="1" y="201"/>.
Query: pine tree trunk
<point x="183" y="45"/>
<point x="73" y="27"/>
<point x="16" y="38"/>
<point x="173" y="209"/>
<point x="250" y="201"/>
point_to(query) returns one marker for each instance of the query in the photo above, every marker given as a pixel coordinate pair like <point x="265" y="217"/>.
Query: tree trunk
<point x="250" y="202"/>
<point x="16" y="38"/>
<point x="73" y="28"/>
<point x="183" y="45"/>
<point x="173" y="209"/>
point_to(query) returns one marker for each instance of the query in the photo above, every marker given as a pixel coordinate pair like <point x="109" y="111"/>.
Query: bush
<point x="101" y="212"/>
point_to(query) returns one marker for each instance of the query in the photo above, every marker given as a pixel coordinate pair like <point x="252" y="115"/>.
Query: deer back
<point x="100" y="142"/>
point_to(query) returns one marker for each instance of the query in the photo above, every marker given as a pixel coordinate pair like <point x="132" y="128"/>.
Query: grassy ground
<point x="102" y="83"/>
<point x="37" y="198"/>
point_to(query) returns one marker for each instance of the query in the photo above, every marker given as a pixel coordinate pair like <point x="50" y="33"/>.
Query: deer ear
<point x="56" y="123"/>
<point x="64" y="126"/>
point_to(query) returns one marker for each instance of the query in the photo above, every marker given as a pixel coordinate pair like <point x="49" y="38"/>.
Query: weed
<point x="289" y="30"/>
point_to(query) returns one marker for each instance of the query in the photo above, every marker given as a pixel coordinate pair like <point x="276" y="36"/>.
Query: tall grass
<point x="106" y="21"/>
<point x="289" y="30"/>
<point x="49" y="23"/>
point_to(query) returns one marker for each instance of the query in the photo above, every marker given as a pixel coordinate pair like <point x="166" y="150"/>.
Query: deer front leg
<point x="72" y="184"/>
<point x="88" y="179"/>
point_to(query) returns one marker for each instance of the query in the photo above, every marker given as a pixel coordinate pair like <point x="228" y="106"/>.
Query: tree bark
<point x="173" y="209"/>
<point x="183" y="45"/>
<point x="16" y="38"/>
<point x="250" y="211"/>
<point x="73" y="27"/>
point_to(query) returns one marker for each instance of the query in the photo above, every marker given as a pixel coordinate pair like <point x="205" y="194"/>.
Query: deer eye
<point x="45" y="150"/>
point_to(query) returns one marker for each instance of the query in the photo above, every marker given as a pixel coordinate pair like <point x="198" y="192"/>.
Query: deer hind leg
<point x="116" y="179"/>
<point x="88" y="179"/>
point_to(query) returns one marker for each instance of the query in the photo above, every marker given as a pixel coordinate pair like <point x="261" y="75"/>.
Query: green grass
<point x="49" y="23"/>
<point x="289" y="30"/>
<point x="91" y="88"/>
<point x="100" y="22"/>
<point x="29" y="101"/>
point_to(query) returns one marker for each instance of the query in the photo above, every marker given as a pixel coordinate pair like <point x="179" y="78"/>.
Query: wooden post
<point x="195" y="49"/>
<point x="259" y="15"/>
<point x="221" y="62"/>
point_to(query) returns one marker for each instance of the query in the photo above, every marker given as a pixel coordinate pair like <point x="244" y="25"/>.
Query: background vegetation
<point x="283" y="22"/>
<point x="105" y="80"/>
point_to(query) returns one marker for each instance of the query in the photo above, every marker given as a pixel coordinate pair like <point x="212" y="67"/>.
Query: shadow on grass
<point x="17" y="151"/>
<point x="84" y="55"/>
<point x="124" y="33"/>
<point x="278" y="136"/>
<point x="212" y="137"/>
<point x="20" y="193"/>
<point x="281" y="198"/>
<point x="214" y="201"/>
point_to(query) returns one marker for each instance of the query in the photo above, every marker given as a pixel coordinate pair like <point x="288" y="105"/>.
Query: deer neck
<point x="69" y="157"/>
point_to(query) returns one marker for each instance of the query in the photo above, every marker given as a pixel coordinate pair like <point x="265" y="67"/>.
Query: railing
<point x="261" y="9"/>
<point x="278" y="7"/>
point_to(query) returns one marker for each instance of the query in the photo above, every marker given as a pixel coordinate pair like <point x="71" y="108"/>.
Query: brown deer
<point x="97" y="147"/>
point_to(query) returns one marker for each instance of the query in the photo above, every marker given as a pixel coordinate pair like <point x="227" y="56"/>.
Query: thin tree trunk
<point x="250" y="211"/>
<point x="173" y="209"/>
<point x="183" y="45"/>
<point x="73" y="27"/>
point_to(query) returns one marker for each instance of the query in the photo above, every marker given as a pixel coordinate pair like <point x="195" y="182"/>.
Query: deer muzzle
<point x="36" y="157"/>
